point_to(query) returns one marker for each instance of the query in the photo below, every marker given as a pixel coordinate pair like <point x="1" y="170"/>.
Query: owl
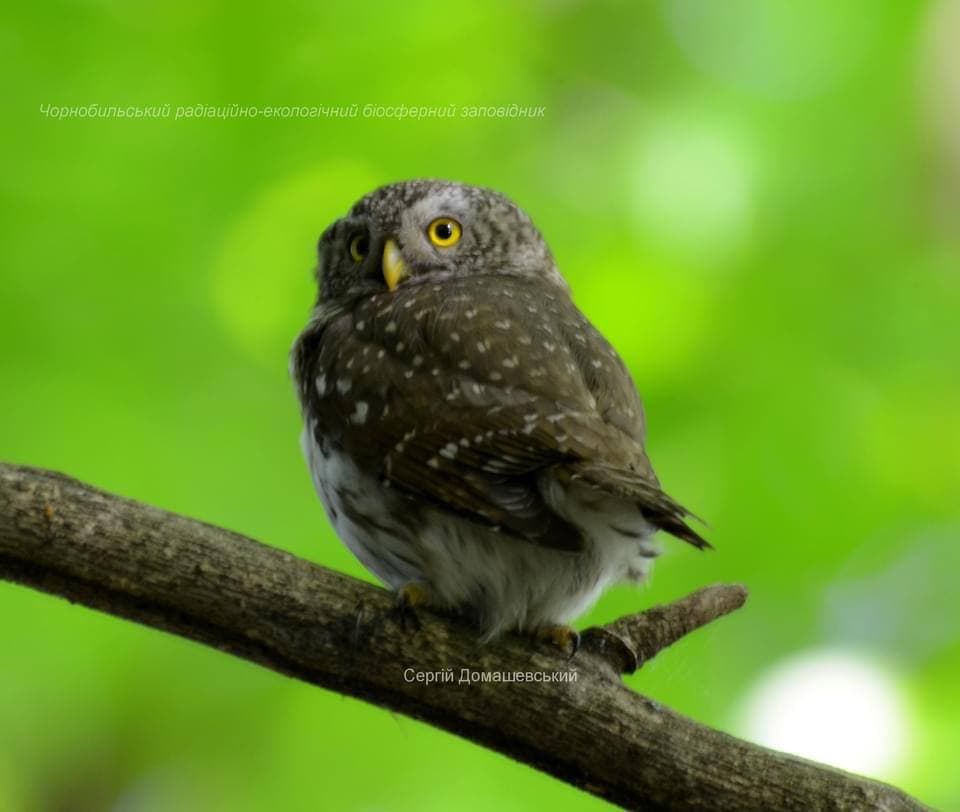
<point x="475" y="441"/>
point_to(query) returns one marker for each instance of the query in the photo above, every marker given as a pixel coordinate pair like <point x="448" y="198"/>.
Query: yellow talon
<point x="413" y="595"/>
<point x="563" y="637"/>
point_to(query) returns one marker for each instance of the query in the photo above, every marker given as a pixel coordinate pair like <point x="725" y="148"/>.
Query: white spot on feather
<point x="360" y="410"/>
<point x="449" y="451"/>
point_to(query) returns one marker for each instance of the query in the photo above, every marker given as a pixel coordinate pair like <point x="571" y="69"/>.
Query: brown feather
<point x="415" y="398"/>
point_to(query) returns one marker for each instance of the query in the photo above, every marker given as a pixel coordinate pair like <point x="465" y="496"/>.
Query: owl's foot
<point x="414" y="595"/>
<point x="563" y="637"/>
<point x="410" y="597"/>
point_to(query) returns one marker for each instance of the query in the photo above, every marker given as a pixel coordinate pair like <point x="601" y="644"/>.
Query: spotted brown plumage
<point x="469" y="430"/>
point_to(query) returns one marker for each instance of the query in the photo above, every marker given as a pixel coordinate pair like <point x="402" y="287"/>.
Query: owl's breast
<point x="377" y="527"/>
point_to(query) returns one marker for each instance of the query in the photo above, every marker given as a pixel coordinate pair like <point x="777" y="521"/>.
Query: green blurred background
<point x="757" y="201"/>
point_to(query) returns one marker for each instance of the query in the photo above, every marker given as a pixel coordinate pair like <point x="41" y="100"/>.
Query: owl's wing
<point x="464" y="397"/>
<point x="658" y="507"/>
<point x="486" y="469"/>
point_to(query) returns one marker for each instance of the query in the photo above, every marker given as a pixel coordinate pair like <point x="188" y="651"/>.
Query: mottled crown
<point x="385" y="204"/>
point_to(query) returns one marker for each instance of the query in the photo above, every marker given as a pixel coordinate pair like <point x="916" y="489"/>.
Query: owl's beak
<point x="394" y="268"/>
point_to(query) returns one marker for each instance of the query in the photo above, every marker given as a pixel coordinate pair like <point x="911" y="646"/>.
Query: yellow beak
<point x="394" y="268"/>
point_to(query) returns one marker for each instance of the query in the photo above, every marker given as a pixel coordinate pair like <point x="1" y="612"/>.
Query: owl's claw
<point x="564" y="638"/>
<point x="411" y="597"/>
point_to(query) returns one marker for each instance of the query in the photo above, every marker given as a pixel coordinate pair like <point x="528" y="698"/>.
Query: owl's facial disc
<point x="418" y="243"/>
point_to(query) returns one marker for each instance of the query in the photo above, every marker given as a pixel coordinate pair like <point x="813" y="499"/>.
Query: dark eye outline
<point x="359" y="247"/>
<point x="456" y="232"/>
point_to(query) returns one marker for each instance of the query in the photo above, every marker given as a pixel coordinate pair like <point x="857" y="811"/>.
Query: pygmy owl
<point x="475" y="441"/>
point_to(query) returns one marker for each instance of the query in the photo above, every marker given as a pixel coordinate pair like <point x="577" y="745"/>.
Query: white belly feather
<point x="505" y="582"/>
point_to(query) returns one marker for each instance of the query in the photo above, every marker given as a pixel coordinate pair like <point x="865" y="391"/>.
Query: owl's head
<point x="407" y="232"/>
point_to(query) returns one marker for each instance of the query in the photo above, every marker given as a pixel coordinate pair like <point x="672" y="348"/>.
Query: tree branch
<point x="631" y="641"/>
<point x="573" y="719"/>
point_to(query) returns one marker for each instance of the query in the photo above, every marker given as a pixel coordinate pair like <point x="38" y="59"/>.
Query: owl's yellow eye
<point x="444" y="232"/>
<point x="359" y="247"/>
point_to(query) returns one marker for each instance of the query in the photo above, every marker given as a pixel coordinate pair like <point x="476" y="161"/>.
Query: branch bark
<point x="573" y="719"/>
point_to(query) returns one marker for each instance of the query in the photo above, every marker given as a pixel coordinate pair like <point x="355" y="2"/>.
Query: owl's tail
<point x="658" y="508"/>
